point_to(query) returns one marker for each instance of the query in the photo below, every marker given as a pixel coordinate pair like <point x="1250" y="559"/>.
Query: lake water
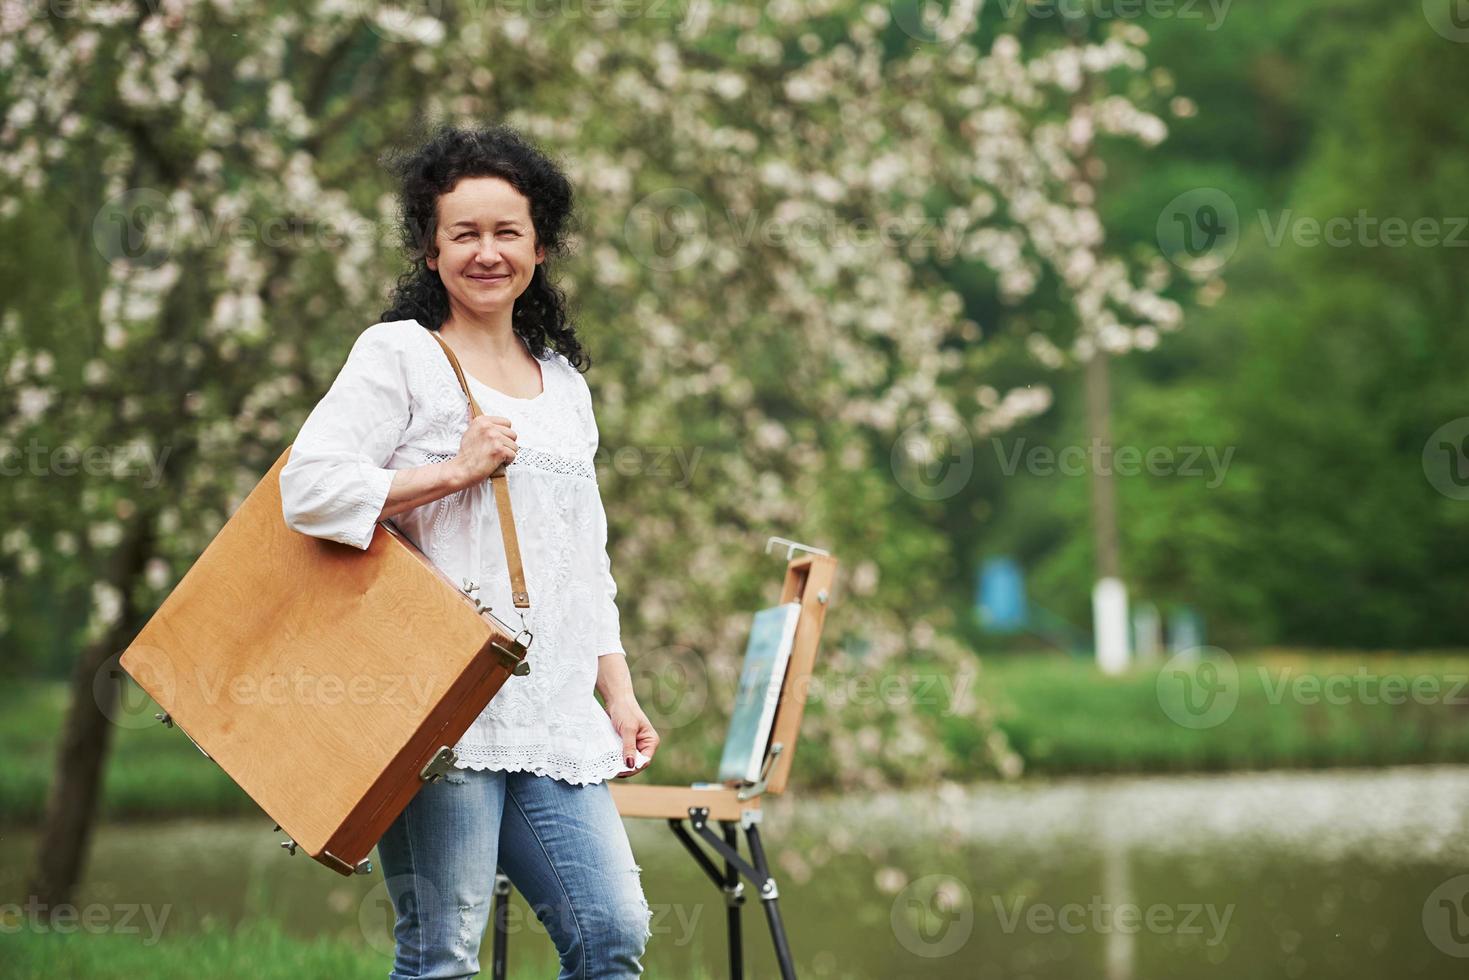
<point x="1344" y="874"/>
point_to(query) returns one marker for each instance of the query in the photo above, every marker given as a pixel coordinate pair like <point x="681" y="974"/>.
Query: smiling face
<point x="486" y="245"/>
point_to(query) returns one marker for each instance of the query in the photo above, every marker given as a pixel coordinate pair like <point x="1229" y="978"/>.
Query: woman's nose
<point x="489" y="251"/>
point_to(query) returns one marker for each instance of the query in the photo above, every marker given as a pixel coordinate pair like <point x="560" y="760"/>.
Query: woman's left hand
<point x="637" y="732"/>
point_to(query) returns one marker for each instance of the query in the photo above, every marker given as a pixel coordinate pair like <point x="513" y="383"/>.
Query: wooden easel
<point x="809" y="581"/>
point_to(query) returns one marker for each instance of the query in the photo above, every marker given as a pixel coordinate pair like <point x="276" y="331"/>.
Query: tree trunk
<point x="71" y="805"/>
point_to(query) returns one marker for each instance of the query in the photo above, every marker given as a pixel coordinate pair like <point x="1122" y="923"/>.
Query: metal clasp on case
<point x="512" y="657"/>
<point x="439" y="766"/>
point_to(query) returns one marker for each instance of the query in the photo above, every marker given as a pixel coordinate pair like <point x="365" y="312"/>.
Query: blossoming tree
<point x="765" y="193"/>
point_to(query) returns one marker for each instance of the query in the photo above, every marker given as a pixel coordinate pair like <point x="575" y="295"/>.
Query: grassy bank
<point x="1291" y="709"/>
<point x="257" y="950"/>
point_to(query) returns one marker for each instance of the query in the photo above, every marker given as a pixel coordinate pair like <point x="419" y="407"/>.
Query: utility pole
<point x="1109" y="594"/>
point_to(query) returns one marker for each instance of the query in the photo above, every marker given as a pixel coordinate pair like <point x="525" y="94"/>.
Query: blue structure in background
<point x="1000" y="596"/>
<point x="1185" y="629"/>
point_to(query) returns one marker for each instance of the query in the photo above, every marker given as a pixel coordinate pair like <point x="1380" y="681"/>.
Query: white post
<point x="1109" y="625"/>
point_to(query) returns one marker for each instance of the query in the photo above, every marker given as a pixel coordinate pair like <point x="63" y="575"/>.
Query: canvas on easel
<point x="766" y="655"/>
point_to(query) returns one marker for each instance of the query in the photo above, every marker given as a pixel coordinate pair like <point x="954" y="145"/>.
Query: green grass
<point x="257" y="950"/>
<point x="1062" y="716"/>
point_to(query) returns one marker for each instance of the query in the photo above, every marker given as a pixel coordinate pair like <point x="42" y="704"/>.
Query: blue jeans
<point x="563" y="847"/>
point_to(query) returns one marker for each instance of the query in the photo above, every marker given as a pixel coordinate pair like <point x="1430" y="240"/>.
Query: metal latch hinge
<point x="512" y="660"/>
<point x="439" y="766"/>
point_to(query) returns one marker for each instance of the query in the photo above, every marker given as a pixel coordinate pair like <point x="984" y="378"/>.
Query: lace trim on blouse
<point x="538" y="459"/>
<point x="558" y="765"/>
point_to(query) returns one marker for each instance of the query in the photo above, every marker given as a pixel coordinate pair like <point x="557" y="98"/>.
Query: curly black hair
<point x="432" y="168"/>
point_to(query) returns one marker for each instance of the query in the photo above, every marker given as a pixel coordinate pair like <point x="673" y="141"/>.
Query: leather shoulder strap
<point x="500" y="487"/>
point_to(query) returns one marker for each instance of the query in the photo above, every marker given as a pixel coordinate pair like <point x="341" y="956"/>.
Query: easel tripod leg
<point x="734" y="897"/>
<point x="500" y="912"/>
<point x="768" y="897"/>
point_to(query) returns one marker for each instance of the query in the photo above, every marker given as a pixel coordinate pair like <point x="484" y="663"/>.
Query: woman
<point x="392" y="438"/>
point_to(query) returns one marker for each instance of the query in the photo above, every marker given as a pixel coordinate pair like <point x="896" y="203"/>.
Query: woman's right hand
<point x="487" y="444"/>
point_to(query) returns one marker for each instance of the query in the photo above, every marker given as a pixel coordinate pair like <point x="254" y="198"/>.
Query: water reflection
<point x="1342" y="874"/>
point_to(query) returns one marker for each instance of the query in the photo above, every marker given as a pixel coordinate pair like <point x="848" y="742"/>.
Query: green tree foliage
<point x="1325" y="367"/>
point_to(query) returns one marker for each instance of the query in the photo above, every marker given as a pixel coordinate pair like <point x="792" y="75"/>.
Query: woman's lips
<point x="489" y="278"/>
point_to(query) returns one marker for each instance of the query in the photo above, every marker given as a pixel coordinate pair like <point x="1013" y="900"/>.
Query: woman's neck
<point x="492" y="336"/>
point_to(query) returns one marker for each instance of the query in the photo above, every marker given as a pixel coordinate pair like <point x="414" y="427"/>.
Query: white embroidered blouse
<point x="396" y="404"/>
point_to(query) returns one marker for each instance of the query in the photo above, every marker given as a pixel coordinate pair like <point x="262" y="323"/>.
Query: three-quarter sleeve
<point x="608" y="623"/>
<point x="334" y="483"/>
